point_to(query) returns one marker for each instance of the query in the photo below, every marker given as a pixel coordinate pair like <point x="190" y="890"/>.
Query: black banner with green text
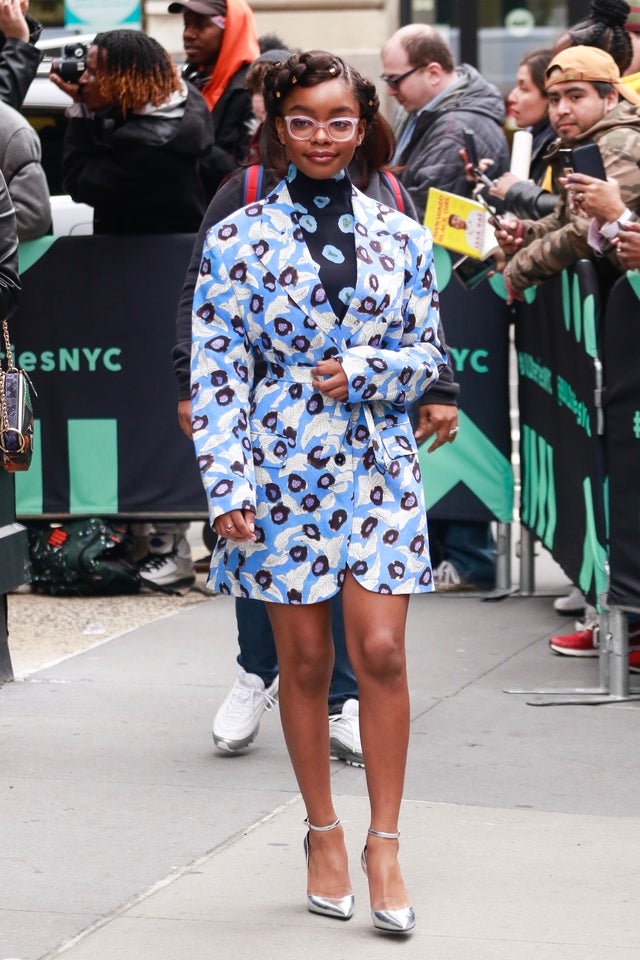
<point x="561" y="443"/>
<point x="621" y="355"/>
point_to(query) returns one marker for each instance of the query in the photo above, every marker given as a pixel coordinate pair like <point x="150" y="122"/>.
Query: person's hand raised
<point x="71" y="89"/>
<point x="12" y="19"/>
<point x="627" y="245"/>
<point x="510" y="234"/>
<point x="593" y="197"/>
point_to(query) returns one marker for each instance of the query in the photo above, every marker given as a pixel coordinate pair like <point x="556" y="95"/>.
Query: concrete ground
<point x="125" y="834"/>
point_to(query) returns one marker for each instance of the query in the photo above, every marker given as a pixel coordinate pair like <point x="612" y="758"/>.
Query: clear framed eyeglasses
<point x="337" y="129"/>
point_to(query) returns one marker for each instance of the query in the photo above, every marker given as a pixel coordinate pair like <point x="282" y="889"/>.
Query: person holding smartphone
<point x="597" y="108"/>
<point x="614" y="228"/>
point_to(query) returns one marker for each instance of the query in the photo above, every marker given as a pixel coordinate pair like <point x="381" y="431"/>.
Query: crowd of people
<point x="310" y="354"/>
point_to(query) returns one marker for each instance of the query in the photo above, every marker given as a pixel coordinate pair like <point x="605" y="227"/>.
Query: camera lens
<point x="68" y="70"/>
<point x="76" y="50"/>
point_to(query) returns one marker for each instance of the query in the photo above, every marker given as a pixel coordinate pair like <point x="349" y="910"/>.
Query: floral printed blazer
<point x="333" y="484"/>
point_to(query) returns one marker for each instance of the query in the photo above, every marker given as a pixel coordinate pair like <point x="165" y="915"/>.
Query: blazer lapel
<point x="377" y="277"/>
<point x="286" y="257"/>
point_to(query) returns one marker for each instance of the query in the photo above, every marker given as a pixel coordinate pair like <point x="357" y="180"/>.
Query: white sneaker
<point x="573" y="605"/>
<point x="167" y="570"/>
<point x="237" y="721"/>
<point x="447" y="579"/>
<point x="591" y="619"/>
<point x="344" y="735"/>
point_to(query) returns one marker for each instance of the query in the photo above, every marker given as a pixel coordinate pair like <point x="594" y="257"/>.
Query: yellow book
<point x="459" y="224"/>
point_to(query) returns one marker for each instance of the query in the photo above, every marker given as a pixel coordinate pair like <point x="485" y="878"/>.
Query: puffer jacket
<point x="141" y="174"/>
<point x="432" y="156"/>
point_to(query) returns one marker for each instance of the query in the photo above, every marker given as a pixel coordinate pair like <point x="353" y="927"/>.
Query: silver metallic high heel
<point x="340" y="908"/>
<point x="391" y="921"/>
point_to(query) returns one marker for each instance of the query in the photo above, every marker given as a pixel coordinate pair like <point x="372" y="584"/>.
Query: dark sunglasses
<point x="395" y="82"/>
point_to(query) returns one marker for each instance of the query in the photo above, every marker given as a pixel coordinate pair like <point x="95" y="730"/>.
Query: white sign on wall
<point x="88" y="15"/>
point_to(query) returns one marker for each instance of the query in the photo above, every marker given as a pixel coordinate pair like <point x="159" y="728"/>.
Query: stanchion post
<point x="618" y="654"/>
<point x="503" y="556"/>
<point x="6" y="668"/>
<point x="527" y="571"/>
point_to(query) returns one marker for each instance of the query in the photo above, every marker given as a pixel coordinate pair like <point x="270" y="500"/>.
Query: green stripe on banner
<point x="31" y="251"/>
<point x="633" y="276"/>
<point x="474" y="461"/>
<point x="93" y="466"/>
<point x="30" y="485"/>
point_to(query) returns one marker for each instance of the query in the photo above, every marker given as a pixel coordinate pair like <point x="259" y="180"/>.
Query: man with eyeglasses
<point x="441" y="102"/>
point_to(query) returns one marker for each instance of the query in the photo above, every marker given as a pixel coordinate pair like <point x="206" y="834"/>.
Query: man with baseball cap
<point x="584" y="91"/>
<point x="220" y="43"/>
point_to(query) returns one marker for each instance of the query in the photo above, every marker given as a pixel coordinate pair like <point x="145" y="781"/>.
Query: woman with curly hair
<point x="312" y="474"/>
<point x="136" y="138"/>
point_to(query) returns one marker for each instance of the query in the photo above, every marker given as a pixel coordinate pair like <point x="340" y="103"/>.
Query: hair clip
<point x="370" y="103"/>
<point x="278" y="94"/>
<point x="332" y="69"/>
<point x="293" y="79"/>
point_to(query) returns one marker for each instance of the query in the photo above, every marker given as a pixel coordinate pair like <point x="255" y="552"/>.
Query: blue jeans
<point x="258" y="650"/>
<point x="469" y="546"/>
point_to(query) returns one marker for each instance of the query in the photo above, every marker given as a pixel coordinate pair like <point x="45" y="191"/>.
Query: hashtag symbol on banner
<point x="636" y="424"/>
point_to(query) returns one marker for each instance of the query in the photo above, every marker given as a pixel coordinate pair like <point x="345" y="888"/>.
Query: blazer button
<point x="340" y="459"/>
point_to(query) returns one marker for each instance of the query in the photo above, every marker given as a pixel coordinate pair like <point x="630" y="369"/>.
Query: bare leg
<point x="305" y="657"/>
<point x="375" y="628"/>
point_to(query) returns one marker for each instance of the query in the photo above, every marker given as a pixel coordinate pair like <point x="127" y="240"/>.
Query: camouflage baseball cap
<point x="588" y="65"/>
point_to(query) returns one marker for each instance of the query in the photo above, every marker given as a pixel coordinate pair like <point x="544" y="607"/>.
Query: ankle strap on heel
<point x="382" y="835"/>
<point x="331" y="826"/>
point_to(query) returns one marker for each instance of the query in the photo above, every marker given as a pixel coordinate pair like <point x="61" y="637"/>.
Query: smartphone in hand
<point x="472" y="157"/>
<point x="470" y="147"/>
<point x="588" y="159"/>
<point x="566" y="158"/>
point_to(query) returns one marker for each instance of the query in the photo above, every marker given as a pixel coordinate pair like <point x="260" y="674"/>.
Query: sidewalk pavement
<point x="125" y="834"/>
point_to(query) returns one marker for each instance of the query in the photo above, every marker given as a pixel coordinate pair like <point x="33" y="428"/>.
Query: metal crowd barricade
<point x="578" y="439"/>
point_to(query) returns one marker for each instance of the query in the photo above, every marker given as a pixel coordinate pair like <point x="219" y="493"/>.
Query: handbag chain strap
<point x="7" y="344"/>
<point x="4" y="416"/>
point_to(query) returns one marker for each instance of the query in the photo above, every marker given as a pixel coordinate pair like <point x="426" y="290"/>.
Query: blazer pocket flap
<point x="398" y="441"/>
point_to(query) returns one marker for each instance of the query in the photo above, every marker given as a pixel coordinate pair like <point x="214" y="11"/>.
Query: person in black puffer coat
<point x="136" y="138"/>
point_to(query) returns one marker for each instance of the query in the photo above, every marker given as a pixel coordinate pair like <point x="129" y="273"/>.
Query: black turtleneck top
<point x="324" y="216"/>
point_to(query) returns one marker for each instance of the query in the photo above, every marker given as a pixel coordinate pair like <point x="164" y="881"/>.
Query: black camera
<point x="72" y="65"/>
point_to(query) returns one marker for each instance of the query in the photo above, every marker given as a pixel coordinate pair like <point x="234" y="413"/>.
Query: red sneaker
<point x="579" y="644"/>
<point x="582" y="644"/>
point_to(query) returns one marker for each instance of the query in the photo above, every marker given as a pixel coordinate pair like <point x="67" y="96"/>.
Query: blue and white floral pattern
<point x="333" y="485"/>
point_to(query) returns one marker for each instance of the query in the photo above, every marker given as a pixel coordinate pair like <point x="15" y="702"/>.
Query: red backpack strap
<point x="392" y="182"/>
<point x="252" y="183"/>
